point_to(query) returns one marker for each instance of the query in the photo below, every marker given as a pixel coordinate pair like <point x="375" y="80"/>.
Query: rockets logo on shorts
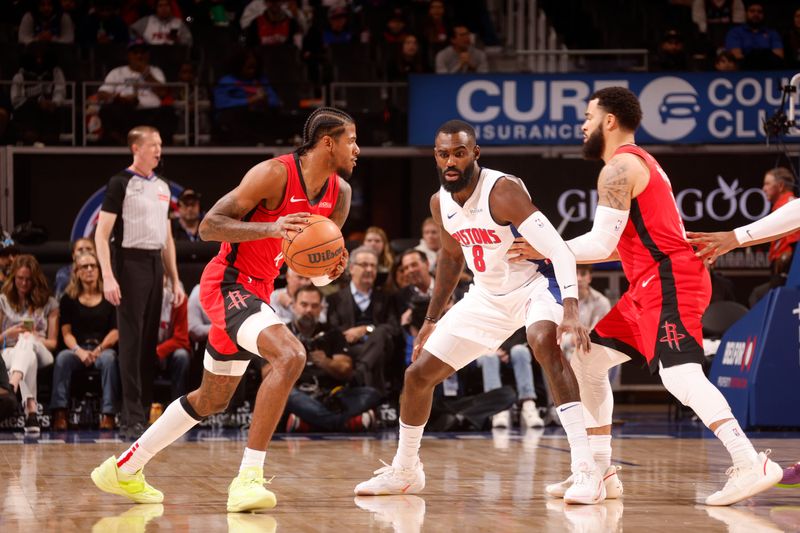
<point x="671" y="335"/>
<point x="237" y="299"/>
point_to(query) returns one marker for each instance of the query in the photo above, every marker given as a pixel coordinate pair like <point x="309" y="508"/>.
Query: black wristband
<point x="431" y="319"/>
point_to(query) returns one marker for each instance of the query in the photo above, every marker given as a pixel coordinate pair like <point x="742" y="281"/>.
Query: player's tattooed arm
<point x="615" y="183"/>
<point x="342" y="207"/>
<point x="449" y="265"/>
<point x="264" y="182"/>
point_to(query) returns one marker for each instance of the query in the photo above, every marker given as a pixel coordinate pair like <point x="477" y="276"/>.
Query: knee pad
<point x="591" y="372"/>
<point x="689" y="385"/>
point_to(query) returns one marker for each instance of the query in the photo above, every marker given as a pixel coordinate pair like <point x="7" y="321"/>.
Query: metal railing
<point x="558" y="59"/>
<point x="49" y="89"/>
<point x="92" y="104"/>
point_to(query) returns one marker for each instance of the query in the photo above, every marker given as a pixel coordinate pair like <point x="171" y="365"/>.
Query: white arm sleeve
<point x="786" y="218"/>
<point x="602" y="240"/>
<point x="541" y="234"/>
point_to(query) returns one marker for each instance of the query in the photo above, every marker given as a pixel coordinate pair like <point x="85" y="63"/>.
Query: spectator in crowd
<point x="46" y="23"/>
<point x="394" y="33"/>
<point x="514" y="351"/>
<point x="199" y="323"/>
<point x="397" y="278"/>
<point x="430" y="242"/>
<point x="377" y="239"/>
<point x="418" y="276"/>
<point x="275" y="26"/>
<point x="461" y="56"/>
<point x="714" y="18"/>
<point x="725" y="62"/>
<point x="256" y="7"/>
<point x="163" y="27"/>
<point x="754" y="45"/>
<point x="792" y="42"/>
<point x="103" y="25"/>
<point x="132" y="95"/>
<point x="283" y="298"/>
<point x="37" y="91"/>
<point x="434" y="29"/>
<point x="779" y="183"/>
<point x="243" y="100"/>
<point x="135" y="210"/>
<point x="338" y="30"/>
<point x="186" y="226"/>
<point x="8" y="251"/>
<point x="174" y="350"/>
<point x="29" y="325"/>
<point x="8" y="399"/>
<point x="671" y="54"/>
<point x="408" y="59"/>
<point x="323" y="397"/>
<point x="89" y="329"/>
<point x="84" y="245"/>
<point x="366" y="317"/>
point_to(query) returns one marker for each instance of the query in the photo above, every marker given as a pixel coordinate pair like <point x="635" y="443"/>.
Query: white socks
<point x="408" y="446"/>
<point x="737" y="443"/>
<point x="601" y="451"/>
<point x="178" y="418"/>
<point x="571" y="416"/>
<point x="253" y="458"/>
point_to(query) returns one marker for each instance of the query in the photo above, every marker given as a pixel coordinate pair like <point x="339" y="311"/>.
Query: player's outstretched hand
<point x="291" y="223"/>
<point x="522" y="251"/>
<point x="338" y="270"/>
<point x="422" y="336"/>
<point x="572" y="324"/>
<point x="712" y="245"/>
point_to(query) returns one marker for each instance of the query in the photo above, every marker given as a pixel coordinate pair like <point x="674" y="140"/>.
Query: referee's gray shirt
<point x="141" y="204"/>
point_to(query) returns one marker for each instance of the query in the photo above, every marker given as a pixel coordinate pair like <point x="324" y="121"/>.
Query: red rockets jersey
<point x="262" y="259"/>
<point x="654" y="231"/>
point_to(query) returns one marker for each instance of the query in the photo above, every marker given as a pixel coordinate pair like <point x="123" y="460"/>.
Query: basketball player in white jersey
<point x="480" y="211"/>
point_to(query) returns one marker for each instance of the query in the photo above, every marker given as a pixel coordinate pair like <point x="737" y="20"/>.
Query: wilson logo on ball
<point x="321" y="257"/>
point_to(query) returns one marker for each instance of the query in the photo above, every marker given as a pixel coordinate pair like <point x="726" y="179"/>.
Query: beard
<point x="461" y="183"/>
<point x="595" y="145"/>
<point x="344" y="173"/>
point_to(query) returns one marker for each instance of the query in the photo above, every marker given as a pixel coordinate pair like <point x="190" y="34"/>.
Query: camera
<point x="330" y="342"/>
<point x="419" y="306"/>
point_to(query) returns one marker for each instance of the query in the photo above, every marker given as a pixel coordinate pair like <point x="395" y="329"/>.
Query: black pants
<point x="370" y="357"/>
<point x="140" y="277"/>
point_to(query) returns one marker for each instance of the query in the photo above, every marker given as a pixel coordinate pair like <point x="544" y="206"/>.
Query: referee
<point x="135" y="216"/>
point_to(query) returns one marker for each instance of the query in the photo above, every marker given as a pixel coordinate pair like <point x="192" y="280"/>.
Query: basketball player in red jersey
<point x="659" y="317"/>
<point x="273" y="198"/>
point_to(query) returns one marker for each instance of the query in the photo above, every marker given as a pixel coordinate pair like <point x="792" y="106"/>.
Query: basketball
<point x="315" y="249"/>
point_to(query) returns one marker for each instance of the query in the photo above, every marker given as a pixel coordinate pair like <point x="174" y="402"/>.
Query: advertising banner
<point x="535" y="109"/>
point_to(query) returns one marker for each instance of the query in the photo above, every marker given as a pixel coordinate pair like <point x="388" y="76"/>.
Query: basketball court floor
<point x="490" y="482"/>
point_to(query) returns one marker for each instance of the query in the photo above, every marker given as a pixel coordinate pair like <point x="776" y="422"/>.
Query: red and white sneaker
<point x="390" y="480"/>
<point x="587" y="486"/>
<point x="610" y="479"/>
<point x="743" y="483"/>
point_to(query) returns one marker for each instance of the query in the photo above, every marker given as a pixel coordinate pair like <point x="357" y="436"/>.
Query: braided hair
<point x="323" y="121"/>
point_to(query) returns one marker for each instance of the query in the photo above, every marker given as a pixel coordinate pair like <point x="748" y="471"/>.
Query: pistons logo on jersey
<point x="476" y="236"/>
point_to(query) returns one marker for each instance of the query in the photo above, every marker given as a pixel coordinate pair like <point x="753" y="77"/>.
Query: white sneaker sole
<point x="774" y="473"/>
<point x="614" y="488"/>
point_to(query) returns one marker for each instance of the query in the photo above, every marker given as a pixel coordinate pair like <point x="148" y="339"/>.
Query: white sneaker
<point x="587" y="486"/>
<point x="745" y="482"/>
<point x="529" y="417"/>
<point x="610" y="480"/>
<point x="586" y="518"/>
<point x="404" y="513"/>
<point x="742" y="520"/>
<point x="390" y="480"/>
<point x="502" y="419"/>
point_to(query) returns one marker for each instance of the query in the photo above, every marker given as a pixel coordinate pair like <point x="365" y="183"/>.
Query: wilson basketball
<point x="315" y="249"/>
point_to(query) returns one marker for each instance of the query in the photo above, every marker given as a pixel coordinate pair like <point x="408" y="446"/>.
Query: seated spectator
<point x="275" y="26"/>
<point x="199" y="323"/>
<point x="282" y="299"/>
<point x="163" y="27"/>
<point x="366" y="317"/>
<point x="397" y="279"/>
<point x="461" y="56"/>
<point x="394" y="33"/>
<point x="714" y="18"/>
<point x="243" y="100"/>
<point x="8" y="400"/>
<point x="792" y="42"/>
<point x="338" y="30"/>
<point x="430" y="242"/>
<point x="173" y="350"/>
<point x="377" y="239"/>
<point x="671" y="54"/>
<point x="8" y="251"/>
<point x="103" y="25"/>
<point x="89" y="329"/>
<point x="132" y="95"/>
<point x="81" y="246"/>
<point x="37" y="91"/>
<point x="725" y="62"/>
<point x="515" y="352"/>
<point x="46" y="23"/>
<point x="186" y="226"/>
<point x="434" y="29"/>
<point x="257" y="7"/>
<point x="408" y="59"/>
<point x="29" y="325"/>
<point x="754" y="45"/>
<point x="417" y="273"/>
<point x="324" y="397"/>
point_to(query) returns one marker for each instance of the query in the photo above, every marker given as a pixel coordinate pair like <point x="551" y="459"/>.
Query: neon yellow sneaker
<point x="251" y="523"/>
<point x="109" y="479"/>
<point x="247" y="493"/>
<point x="134" y="520"/>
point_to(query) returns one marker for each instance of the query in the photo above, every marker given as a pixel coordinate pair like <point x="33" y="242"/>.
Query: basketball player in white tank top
<point x="477" y="208"/>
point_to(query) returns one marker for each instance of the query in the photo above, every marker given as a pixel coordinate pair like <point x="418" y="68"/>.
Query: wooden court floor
<point x="476" y="482"/>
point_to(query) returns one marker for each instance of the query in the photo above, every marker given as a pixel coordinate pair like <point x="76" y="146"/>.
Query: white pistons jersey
<point x="484" y="241"/>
